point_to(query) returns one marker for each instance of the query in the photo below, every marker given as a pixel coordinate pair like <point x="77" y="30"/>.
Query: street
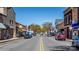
<point x="37" y="43"/>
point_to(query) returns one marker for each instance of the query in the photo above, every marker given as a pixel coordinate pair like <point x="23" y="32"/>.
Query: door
<point x="68" y="32"/>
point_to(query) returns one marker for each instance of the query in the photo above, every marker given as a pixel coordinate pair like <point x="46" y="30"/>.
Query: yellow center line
<point x="41" y="45"/>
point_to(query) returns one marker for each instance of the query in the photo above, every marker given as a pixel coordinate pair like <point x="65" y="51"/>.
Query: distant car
<point x="52" y="33"/>
<point x="48" y="34"/>
<point x="34" y="34"/>
<point x="41" y="33"/>
<point x="60" y="36"/>
<point x="27" y="35"/>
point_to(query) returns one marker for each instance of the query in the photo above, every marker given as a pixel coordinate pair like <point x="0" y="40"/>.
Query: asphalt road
<point x="37" y="43"/>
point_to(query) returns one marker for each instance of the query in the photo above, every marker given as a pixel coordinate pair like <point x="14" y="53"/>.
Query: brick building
<point x="59" y="25"/>
<point x="71" y="14"/>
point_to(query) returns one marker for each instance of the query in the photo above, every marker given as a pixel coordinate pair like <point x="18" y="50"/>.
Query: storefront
<point x="75" y="27"/>
<point x="5" y="31"/>
<point x="2" y="29"/>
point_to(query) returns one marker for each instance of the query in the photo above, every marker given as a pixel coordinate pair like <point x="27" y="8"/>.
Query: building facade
<point x="59" y="24"/>
<point x="20" y="28"/>
<point x="7" y="18"/>
<point x="71" y="14"/>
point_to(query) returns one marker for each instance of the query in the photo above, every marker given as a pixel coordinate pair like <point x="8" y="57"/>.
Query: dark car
<point x="48" y="34"/>
<point x="27" y="35"/>
<point x="52" y="33"/>
<point x="34" y="34"/>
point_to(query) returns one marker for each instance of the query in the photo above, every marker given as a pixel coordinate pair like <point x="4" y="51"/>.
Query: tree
<point x="47" y="26"/>
<point x="44" y="29"/>
<point x="35" y="28"/>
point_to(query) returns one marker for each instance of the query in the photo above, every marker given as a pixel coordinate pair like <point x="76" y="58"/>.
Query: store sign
<point x="74" y="21"/>
<point x="75" y="24"/>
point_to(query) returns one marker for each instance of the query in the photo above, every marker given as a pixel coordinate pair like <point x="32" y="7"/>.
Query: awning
<point x="2" y="26"/>
<point x="75" y="25"/>
<point x="7" y="26"/>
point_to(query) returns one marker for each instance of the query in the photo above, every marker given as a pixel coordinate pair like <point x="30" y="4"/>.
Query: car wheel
<point x="77" y="47"/>
<point x="55" y="39"/>
<point x="73" y="44"/>
<point x="64" y="39"/>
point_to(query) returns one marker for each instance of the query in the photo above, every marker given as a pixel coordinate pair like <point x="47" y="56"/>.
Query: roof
<point x="20" y="24"/>
<point x="58" y="21"/>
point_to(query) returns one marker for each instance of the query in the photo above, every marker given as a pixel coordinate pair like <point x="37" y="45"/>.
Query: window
<point x="65" y="20"/>
<point x="70" y="18"/>
<point x="78" y="15"/>
<point x="1" y="19"/>
<point x="11" y="22"/>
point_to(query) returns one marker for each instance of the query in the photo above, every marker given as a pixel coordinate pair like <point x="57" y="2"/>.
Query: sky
<point x="38" y="15"/>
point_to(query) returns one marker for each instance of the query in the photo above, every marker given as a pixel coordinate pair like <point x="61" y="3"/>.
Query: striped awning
<point x="2" y="26"/>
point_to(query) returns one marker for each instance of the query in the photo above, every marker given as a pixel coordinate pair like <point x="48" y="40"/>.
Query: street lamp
<point x="70" y="28"/>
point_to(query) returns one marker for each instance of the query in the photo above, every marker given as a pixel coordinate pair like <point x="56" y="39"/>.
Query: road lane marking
<point x="41" y="45"/>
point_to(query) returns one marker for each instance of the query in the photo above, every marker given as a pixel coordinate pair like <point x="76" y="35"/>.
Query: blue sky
<point x="38" y="15"/>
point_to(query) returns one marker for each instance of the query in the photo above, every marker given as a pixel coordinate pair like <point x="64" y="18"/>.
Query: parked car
<point x="75" y="42"/>
<point x="60" y="36"/>
<point x="27" y="35"/>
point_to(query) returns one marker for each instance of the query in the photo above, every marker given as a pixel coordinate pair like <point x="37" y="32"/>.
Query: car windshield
<point x="27" y="32"/>
<point x="75" y="37"/>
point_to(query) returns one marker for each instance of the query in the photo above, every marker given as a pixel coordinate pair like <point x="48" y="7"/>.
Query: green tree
<point x="35" y="28"/>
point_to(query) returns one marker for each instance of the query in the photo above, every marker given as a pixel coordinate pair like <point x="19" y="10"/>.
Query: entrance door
<point x="68" y="32"/>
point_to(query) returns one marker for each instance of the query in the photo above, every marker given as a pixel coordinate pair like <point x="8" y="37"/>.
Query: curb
<point x="1" y="41"/>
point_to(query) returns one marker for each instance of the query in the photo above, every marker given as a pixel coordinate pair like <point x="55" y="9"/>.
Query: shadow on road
<point x="63" y="48"/>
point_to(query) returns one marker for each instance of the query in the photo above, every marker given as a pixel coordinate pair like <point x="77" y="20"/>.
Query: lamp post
<point x="70" y="35"/>
<point x="70" y="28"/>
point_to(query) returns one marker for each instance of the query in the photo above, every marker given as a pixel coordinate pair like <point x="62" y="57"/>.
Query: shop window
<point x="1" y="19"/>
<point x="10" y="21"/>
<point x="65" y="20"/>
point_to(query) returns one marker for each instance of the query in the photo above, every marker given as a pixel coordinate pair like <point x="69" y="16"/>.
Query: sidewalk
<point x="70" y="40"/>
<point x="6" y="40"/>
